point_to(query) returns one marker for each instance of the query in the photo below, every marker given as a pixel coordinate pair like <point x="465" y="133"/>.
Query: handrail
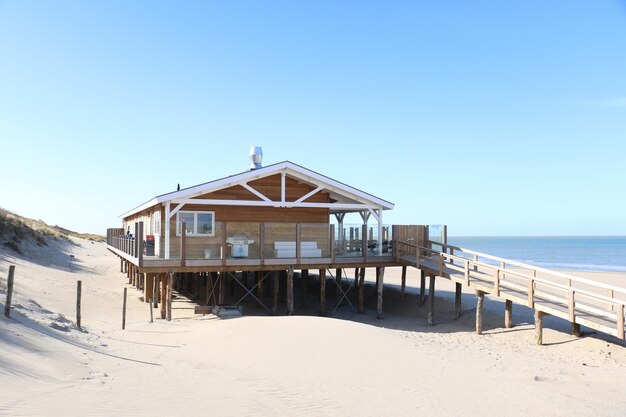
<point x="536" y="268"/>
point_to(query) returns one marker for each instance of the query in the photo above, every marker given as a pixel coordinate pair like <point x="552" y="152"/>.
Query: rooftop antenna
<point x="256" y="157"/>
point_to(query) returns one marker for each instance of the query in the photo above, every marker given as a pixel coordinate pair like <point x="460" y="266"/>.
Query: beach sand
<point x="344" y="365"/>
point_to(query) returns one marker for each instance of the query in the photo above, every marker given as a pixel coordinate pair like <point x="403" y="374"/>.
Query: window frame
<point x="195" y="223"/>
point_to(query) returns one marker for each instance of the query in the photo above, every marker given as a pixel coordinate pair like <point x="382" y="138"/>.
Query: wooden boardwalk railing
<point x="581" y="301"/>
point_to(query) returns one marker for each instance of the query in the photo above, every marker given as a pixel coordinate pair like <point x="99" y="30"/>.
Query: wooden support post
<point x="209" y="288"/>
<point x="231" y="284"/>
<point x="155" y="290"/>
<point x="259" y="288"/>
<point x="620" y="321"/>
<point x="221" y="282"/>
<point x="7" y="303"/>
<point x="422" y="287"/>
<point x="124" y="309"/>
<point x="379" y="292"/>
<point x="147" y="288"/>
<point x="163" y="296"/>
<point x="276" y="275"/>
<point x="480" y="302"/>
<point x="338" y="273"/>
<point x="283" y="294"/>
<point x="322" y="292"/>
<point x="151" y="313"/>
<point x="576" y="329"/>
<point x="508" y="314"/>
<point x="290" y="309"/>
<point x="431" y="301"/>
<point x="304" y="276"/>
<point x="457" y="300"/>
<point x="539" y="327"/>
<point x="170" y="288"/>
<point x="403" y="285"/>
<point x="361" y="290"/>
<point x="121" y="264"/>
<point x="78" y="295"/>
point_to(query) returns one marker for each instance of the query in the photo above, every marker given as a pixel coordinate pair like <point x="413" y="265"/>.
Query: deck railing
<point x="596" y="304"/>
<point x="267" y="243"/>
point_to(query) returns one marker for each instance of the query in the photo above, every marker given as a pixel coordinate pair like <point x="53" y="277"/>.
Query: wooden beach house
<point x="258" y="229"/>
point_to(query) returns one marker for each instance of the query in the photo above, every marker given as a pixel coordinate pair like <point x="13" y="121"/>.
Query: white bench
<point x="288" y="250"/>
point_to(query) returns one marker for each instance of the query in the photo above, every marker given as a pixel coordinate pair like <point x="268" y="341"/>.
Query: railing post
<point x="332" y="243"/>
<point x="136" y="242"/>
<point x="531" y="293"/>
<point x="140" y="244"/>
<point x="467" y="282"/>
<point x="224" y="245"/>
<point x="183" y="242"/>
<point x="620" y="321"/>
<point x="364" y="242"/>
<point x="571" y="306"/>
<point x="298" y="242"/>
<point x="262" y="243"/>
<point x="496" y="283"/>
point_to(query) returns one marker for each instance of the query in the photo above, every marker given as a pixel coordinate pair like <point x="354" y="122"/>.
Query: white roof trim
<point x="288" y="168"/>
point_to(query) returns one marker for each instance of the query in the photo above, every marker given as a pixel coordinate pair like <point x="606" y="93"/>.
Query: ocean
<point x="588" y="253"/>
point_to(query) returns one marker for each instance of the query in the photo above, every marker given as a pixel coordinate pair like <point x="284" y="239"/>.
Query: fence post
<point x="124" y="310"/>
<point x="78" y="294"/>
<point x="7" y="304"/>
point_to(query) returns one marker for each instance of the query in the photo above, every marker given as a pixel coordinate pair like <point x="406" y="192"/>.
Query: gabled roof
<point x="343" y="195"/>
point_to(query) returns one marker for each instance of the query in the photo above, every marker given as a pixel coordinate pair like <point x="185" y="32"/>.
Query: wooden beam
<point x="508" y="314"/>
<point x="457" y="300"/>
<point x="480" y="302"/>
<point x="338" y="273"/>
<point x="148" y="288"/>
<point x="322" y="292"/>
<point x="290" y="309"/>
<point x="304" y="275"/>
<point x="259" y="288"/>
<point x="170" y="288"/>
<point x="361" y="290"/>
<point x="403" y="285"/>
<point x="276" y="275"/>
<point x="539" y="327"/>
<point x="163" y="296"/>
<point x="379" y="292"/>
<point x="422" y="287"/>
<point x="431" y="301"/>
<point x="620" y="321"/>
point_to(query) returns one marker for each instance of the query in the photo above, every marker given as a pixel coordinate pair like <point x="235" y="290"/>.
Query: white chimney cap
<point x="256" y="157"/>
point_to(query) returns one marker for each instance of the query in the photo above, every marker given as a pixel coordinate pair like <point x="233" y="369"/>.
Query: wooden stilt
<point x="361" y="290"/>
<point x="121" y="264"/>
<point x="155" y="290"/>
<point x="479" y="311"/>
<point x="422" y="287"/>
<point x="222" y="287"/>
<point x="508" y="314"/>
<point x="231" y="284"/>
<point x="147" y="288"/>
<point x="290" y="309"/>
<point x="259" y="288"/>
<point x="431" y="301"/>
<point x="338" y="273"/>
<point x="304" y="276"/>
<point x="539" y="327"/>
<point x="403" y="285"/>
<point x="322" y="292"/>
<point x="275" y="275"/>
<point x="457" y="300"/>
<point x="170" y="288"/>
<point x="283" y="294"/>
<point x="163" y="296"/>
<point x="576" y="329"/>
<point x="209" y="288"/>
<point x="379" y="292"/>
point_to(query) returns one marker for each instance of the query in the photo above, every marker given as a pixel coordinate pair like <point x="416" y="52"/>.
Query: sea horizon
<point x="586" y="253"/>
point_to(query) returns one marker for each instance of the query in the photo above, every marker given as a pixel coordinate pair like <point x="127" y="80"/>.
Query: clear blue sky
<point x="494" y="117"/>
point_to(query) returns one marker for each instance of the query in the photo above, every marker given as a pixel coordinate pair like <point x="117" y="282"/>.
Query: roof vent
<point x="256" y="156"/>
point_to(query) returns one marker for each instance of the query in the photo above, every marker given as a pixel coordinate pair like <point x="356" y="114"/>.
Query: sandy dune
<point x="349" y="364"/>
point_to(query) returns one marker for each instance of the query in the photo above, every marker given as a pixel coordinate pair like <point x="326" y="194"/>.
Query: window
<point x="197" y="223"/>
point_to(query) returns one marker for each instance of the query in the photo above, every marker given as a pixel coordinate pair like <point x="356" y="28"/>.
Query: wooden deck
<point x="593" y="304"/>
